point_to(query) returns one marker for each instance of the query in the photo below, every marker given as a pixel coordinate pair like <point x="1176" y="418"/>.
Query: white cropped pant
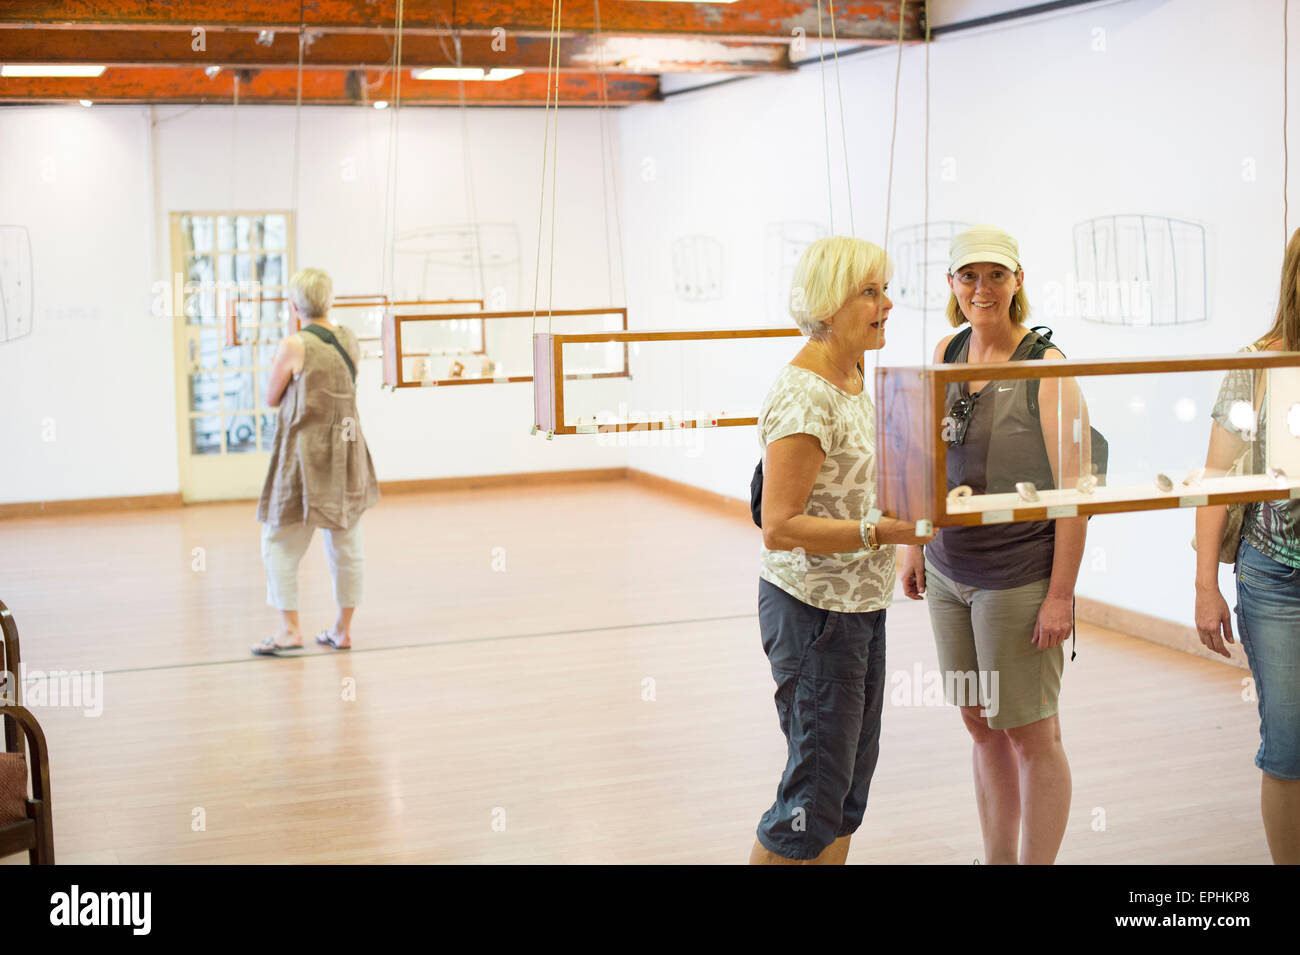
<point x="282" y="550"/>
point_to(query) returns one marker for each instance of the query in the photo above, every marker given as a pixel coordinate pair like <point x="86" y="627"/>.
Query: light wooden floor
<point x="515" y="696"/>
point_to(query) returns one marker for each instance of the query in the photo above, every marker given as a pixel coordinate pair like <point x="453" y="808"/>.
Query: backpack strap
<point x="327" y="336"/>
<point x="1036" y="351"/>
<point x="955" y="346"/>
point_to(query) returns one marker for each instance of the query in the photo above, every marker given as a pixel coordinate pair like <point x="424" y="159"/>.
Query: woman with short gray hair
<point x="827" y="568"/>
<point x="320" y="473"/>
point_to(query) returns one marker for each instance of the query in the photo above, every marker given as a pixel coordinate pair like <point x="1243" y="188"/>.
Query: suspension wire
<point x="297" y="109"/>
<point x="390" y="205"/>
<point x="826" y="123"/>
<point x="555" y="169"/>
<point x="470" y="196"/>
<point x="839" y="93"/>
<point x="893" y="136"/>
<point x="604" y="129"/>
<point x="925" y="192"/>
<point x="551" y="79"/>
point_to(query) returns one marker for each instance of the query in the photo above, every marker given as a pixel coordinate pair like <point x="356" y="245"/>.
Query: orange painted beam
<point x="173" y="85"/>
<point x="856" y="20"/>
<point x="336" y="51"/>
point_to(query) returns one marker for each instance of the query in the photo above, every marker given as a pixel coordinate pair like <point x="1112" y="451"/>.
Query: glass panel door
<point x="234" y="267"/>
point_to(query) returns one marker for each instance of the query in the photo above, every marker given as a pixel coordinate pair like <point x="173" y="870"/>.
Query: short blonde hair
<point x="1019" y="308"/>
<point x="828" y="273"/>
<point x="312" y="291"/>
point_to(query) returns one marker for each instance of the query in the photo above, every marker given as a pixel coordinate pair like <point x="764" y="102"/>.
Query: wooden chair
<point x="26" y="823"/>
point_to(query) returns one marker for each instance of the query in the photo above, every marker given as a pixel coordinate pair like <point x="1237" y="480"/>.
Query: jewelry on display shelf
<point x="1279" y="476"/>
<point x="1086" y="484"/>
<point x="1027" y="491"/>
<point x="1164" y="483"/>
<point x="1194" y="478"/>
<point x="959" y="495"/>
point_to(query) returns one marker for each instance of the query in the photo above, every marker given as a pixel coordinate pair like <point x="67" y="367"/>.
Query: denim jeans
<point x="1268" y="617"/>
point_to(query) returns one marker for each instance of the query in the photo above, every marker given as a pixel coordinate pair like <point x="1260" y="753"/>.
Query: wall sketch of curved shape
<point x="1139" y="270"/>
<point x="697" y="268"/>
<point x="918" y="256"/>
<point x="783" y="243"/>
<point x="462" y="261"/>
<point x="16" y="287"/>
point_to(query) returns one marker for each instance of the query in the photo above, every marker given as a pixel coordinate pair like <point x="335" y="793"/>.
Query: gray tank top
<point x="1003" y="445"/>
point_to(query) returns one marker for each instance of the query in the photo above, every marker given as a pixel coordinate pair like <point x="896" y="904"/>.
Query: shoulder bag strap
<point x="325" y="335"/>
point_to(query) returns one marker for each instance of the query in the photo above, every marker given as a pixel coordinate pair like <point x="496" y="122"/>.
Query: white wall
<point x="1139" y="107"/>
<point x="99" y="366"/>
<point x="89" y="405"/>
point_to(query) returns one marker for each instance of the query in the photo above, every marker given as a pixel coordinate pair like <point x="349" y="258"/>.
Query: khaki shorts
<point x="985" y="653"/>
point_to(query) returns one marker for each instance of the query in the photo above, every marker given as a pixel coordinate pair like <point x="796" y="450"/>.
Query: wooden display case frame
<point x="548" y="386"/>
<point x="341" y="301"/>
<point x="910" y="414"/>
<point x="392" y="344"/>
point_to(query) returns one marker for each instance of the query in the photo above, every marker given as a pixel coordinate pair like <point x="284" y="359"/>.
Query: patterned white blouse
<point x="802" y="402"/>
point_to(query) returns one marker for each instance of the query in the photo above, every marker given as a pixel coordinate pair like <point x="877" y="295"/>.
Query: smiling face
<point x="859" y="325"/>
<point x="984" y="291"/>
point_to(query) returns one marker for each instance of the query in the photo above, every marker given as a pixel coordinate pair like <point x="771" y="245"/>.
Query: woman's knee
<point x="1035" y="738"/>
<point x="978" y="726"/>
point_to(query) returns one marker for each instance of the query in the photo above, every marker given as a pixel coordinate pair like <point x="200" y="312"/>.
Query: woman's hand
<point x="912" y="573"/>
<point x="1055" y="622"/>
<point x="1213" y="619"/>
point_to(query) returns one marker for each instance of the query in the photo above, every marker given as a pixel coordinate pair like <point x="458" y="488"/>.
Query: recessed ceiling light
<point x="472" y="73"/>
<point x="51" y="69"/>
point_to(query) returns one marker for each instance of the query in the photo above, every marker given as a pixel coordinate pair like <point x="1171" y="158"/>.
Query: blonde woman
<point x="1268" y="583"/>
<point x="826" y="572"/>
<point x="320" y="474"/>
<point x="1001" y="597"/>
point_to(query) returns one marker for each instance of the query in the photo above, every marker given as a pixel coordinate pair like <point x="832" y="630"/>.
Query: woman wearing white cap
<point x="1001" y="597"/>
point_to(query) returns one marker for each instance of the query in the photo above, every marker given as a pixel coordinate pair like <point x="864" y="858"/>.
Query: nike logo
<point x="1007" y="388"/>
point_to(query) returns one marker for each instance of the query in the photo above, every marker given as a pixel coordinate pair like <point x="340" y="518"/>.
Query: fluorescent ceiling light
<point x="87" y="103"/>
<point x="380" y="104"/>
<point x="51" y="69"/>
<point x="465" y="73"/>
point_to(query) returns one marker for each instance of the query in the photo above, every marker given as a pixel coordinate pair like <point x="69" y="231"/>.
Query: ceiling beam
<point x="323" y="87"/>
<point x="351" y="50"/>
<point x="773" y="20"/>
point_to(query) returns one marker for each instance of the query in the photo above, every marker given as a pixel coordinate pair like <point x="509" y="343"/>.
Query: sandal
<point x="327" y="639"/>
<point x="271" y="647"/>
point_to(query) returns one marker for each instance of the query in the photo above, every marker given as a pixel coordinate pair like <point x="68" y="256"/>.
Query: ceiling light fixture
<point x="87" y="103"/>
<point x="51" y="69"/>
<point x="472" y="73"/>
<point x="380" y="104"/>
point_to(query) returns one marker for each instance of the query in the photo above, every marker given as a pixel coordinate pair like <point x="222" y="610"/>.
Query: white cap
<point x="983" y="243"/>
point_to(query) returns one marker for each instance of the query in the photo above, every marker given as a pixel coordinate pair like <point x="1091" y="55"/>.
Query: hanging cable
<point x="555" y="168"/>
<point x="297" y="114"/>
<point x="551" y="75"/>
<point x="608" y="159"/>
<point x="390" y="205"/>
<point x="925" y="192"/>
<point x="826" y="122"/>
<point x="839" y="93"/>
<point x="466" y="161"/>
<point x="893" y="135"/>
